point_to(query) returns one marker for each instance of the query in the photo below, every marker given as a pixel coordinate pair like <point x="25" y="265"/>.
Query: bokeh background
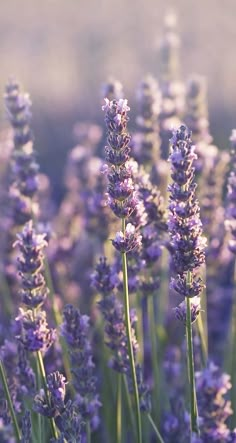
<point x="63" y="50"/>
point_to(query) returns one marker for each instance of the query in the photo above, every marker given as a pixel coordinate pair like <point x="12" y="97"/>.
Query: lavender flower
<point x="30" y="265"/>
<point x="172" y="89"/>
<point x="104" y="279"/>
<point x="214" y="409"/>
<point x="146" y="140"/>
<point x="70" y="424"/>
<point x="184" y="224"/>
<point x="113" y="313"/>
<point x="176" y="423"/>
<point x="24" y="167"/>
<point x="75" y="329"/>
<point x="33" y="332"/>
<point x="31" y="327"/>
<point x="56" y="383"/>
<point x="26" y="428"/>
<point x="121" y="193"/>
<point x="197" y="112"/>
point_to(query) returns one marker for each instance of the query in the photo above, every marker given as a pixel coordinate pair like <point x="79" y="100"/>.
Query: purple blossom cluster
<point x="31" y="324"/>
<point x="24" y="168"/>
<point x="185" y="228"/>
<point x="75" y="330"/>
<point x="214" y="408"/>
<point x="56" y="383"/>
<point x="122" y="196"/>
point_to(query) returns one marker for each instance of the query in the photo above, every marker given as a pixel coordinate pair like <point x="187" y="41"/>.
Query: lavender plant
<point x="187" y="244"/>
<point x="75" y="329"/>
<point x="122" y="200"/>
<point x="31" y="326"/>
<point x="24" y="167"/>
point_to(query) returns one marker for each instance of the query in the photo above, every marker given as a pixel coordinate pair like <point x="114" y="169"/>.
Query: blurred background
<point x="63" y="50"/>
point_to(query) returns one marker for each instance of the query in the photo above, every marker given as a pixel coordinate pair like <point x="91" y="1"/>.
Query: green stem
<point x="129" y="337"/>
<point x="193" y="398"/>
<point x="56" y="313"/>
<point x="154" y="355"/>
<point x="118" y="410"/>
<point x="9" y="401"/>
<point x="202" y="336"/>
<point x="131" y="412"/>
<point x="88" y="432"/>
<point x="43" y="376"/>
<point x="7" y="298"/>
<point x="38" y="382"/>
<point x="160" y="439"/>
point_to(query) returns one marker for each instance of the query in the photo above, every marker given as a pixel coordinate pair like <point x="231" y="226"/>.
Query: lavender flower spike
<point x="214" y="408"/>
<point x="75" y="329"/>
<point x="185" y="227"/>
<point x="123" y="201"/>
<point x="56" y="383"/>
<point x="31" y="325"/>
<point x="187" y="244"/>
<point x="24" y="168"/>
<point x="122" y="197"/>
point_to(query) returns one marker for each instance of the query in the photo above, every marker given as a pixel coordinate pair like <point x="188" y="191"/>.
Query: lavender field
<point x="117" y="270"/>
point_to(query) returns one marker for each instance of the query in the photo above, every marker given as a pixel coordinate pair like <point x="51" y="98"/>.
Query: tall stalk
<point x="43" y="377"/>
<point x="155" y="368"/>
<point x="118" y="409"/>
<point x="191" y="374"/>
<point x="158" y="435"/>
<point x="129" y="337"/>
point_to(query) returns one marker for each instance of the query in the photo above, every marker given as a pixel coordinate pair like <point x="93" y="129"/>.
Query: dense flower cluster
<point x="26" y="428"/>
<point x="214" y="410"/>
<point x="31" y="324"/>
<point x="75" y="330"/>
<point x="56" y="383"/>
<point x="146" y="140"/>
<point x="122" y="196"/>
<point x="184" y="223"/>
<point x="197" y="112"/>
<point x="24" y="168"/>
<point x="176" y="423"/>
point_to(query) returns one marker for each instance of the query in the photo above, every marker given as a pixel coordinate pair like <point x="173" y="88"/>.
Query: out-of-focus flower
<point x="212" y="385"/>
<point x="24" y="168"/>
<point x="75" y="330"/>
